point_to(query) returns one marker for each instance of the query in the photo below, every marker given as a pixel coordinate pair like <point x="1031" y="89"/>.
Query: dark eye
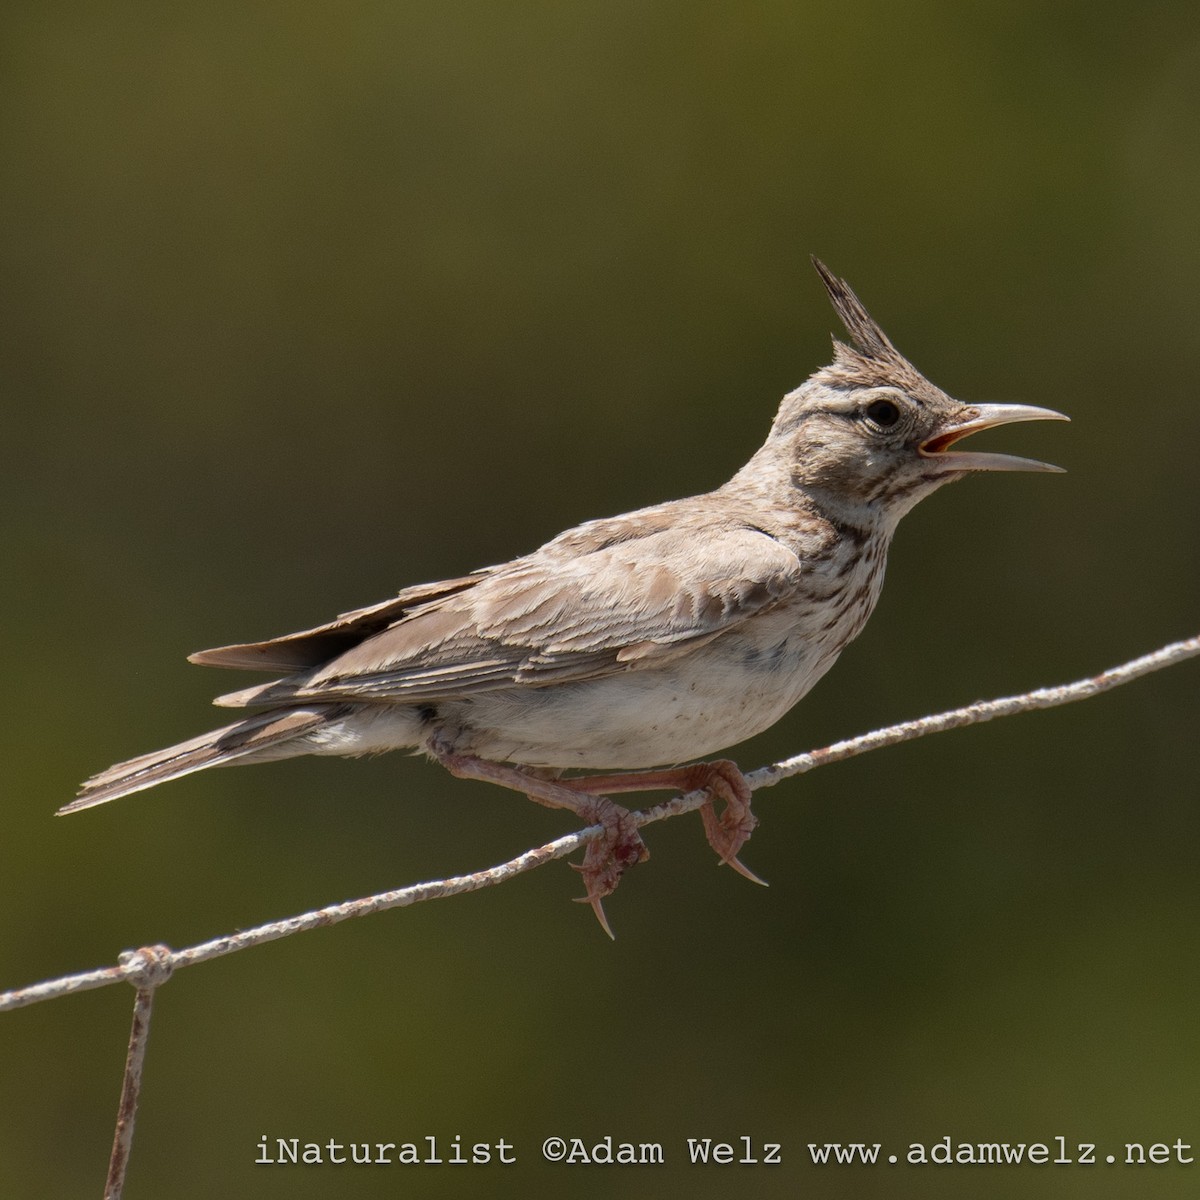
<point x="883" y="414"/>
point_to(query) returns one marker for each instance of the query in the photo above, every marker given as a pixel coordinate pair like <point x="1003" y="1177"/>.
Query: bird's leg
<point x="606" y="858"/>
<point x="722" y="780"/>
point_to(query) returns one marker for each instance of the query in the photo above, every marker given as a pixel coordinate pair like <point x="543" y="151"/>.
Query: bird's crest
<point x="871" y="360"/>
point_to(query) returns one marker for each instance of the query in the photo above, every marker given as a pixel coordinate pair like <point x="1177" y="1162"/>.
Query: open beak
<point x="986" y="416"/>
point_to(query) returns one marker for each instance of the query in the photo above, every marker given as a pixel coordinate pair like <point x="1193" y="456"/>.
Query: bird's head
<point x="869" y="432"/>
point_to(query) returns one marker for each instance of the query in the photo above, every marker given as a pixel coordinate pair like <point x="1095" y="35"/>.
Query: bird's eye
<point x="883" y="414"/>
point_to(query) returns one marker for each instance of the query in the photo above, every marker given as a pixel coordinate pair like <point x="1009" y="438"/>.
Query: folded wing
<point x="548" y="618"/>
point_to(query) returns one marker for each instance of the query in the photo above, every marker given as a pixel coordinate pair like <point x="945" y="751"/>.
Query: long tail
<point x="264" y="735"/>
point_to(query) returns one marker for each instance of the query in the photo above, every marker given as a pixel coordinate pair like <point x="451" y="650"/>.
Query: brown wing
<point x="311" y="647"/>
<point x="554" y="617"/>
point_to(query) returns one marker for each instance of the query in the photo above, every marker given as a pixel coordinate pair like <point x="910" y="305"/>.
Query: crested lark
<point x="631" y="643"/>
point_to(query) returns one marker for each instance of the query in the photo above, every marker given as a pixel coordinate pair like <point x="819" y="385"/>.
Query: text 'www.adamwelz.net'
<point x="1057" y="1152"/>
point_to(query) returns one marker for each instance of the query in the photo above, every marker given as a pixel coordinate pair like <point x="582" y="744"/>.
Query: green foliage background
<point x="304" y="302"/>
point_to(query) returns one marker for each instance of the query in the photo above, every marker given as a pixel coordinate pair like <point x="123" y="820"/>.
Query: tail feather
<point x="255" y="735"/>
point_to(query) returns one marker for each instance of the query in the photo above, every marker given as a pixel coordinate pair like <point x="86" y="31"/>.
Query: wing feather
<point x="556" y="616"/>
<point x="311" y="647"/>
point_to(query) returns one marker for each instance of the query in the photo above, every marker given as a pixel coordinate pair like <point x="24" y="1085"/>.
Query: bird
<point x="625" y="652"/>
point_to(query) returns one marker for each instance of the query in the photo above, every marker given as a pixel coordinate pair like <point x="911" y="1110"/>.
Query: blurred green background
<point x="305" y="302"/>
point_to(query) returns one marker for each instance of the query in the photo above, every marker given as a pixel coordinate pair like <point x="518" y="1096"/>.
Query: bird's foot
<point x="728" y="832"/>
<point x="607" y="857"/>
<point x="610" y="855"/>
<point x="722" y="779"/>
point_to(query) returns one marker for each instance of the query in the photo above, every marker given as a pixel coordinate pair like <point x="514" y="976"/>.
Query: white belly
<point x="689" y="708"/>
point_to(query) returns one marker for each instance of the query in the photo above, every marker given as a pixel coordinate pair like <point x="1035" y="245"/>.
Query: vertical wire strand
<point x="147" y="969"/>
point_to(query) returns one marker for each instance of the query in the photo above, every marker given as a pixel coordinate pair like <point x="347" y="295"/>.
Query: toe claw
<point x="598" y="908"/>
<point x="743" y="870"/>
